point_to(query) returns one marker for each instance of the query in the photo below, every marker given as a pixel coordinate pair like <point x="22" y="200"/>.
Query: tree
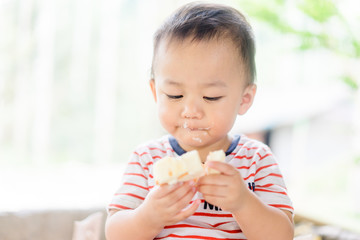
<point x="325" y="24"/>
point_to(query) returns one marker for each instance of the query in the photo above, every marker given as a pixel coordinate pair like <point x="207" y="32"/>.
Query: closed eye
<point x="212" y="98"/>
<point x="174" y="96"/>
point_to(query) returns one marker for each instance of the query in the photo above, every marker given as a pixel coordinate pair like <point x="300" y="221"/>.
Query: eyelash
<point x="211" y="99"/>
<point x="174" y="96"/>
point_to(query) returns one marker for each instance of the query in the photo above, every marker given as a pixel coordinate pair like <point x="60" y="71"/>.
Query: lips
<point x="194" y="128"/>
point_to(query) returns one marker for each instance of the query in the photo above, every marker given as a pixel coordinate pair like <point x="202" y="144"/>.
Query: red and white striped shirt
<point x="253" y="159"/>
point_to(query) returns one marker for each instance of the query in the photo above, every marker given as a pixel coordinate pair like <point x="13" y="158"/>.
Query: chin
<point x="192" y="141"/>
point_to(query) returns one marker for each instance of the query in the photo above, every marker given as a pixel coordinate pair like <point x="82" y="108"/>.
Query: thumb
<point x="222" y="167"/>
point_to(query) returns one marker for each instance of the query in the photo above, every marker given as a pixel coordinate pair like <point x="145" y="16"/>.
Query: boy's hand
<point x="165" y="204"/>
<point x="226" y="190"/>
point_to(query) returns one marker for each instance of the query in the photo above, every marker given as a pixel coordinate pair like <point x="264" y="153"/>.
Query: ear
<point x="153" y="89"/>
<point x="247" y="99"/>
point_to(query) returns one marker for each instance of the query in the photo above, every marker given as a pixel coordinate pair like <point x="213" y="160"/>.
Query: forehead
<point x="206" y="60"/>
<point x="188" y="48"/>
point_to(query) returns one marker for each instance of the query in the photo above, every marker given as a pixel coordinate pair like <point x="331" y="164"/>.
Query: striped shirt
<point x="253" y="159"/>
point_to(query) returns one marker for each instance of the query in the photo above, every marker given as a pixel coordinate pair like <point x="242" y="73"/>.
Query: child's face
<point x="199" y="88"/>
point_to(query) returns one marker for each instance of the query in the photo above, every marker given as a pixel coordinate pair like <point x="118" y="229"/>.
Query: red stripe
<point x="219" y="224"/>
<point x="138" y="163"/>
<point x="212" y="215"/>
<point x="269" y="185"/>
<point x="251" y="175"/>
<point x="250" y="148"/>
<point x="144" y="153"/>
<point x="262" y="157"/>
<point x="266" y="166"/>
<point x="158" y="149"/>
<point x="247" y="148"/>
<point x="271" y="174"/>
<point x="134" y="163"/>
<point x="243" y="156"/>
<point x="136" y="185"/>
<point x="281" y="206"/>
<point x="265" y="186"/>
<point x="192" y="226"/>
<point x="141" y="154"/>
<point x="163" y="151"/>
<point x="258" y="179"/>
<point x="131" y="195"/>
<point x="136" y="174"/>
<point x="194" y="237"/>
<point x="266" y="190"/>
<point x="119" y="206"/>
<point x="246" y="167"/>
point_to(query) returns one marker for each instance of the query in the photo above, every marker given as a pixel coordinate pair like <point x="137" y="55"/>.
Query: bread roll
<point x="218" y="156"/>
<point x="171" y="170"/>
<point x="184" y="168"/>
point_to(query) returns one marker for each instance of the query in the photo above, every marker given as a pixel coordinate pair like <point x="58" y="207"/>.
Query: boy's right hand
<point x="166" y="204"/>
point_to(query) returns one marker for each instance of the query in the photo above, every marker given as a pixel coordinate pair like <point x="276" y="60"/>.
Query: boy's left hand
<point x="226" y="190"/>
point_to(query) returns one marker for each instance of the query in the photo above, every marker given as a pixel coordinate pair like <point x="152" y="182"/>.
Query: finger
<point x="165" y="189"/>
<point x="214" y="179"/>
<point x="169" y="194"/>
<point x="213" y="190"/>
<point x="222" y="167"/>
<point x="182" y="196"/>
<point x="187" y="212"/>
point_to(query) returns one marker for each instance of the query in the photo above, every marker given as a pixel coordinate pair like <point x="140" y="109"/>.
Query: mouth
<point x="193" y="129"/>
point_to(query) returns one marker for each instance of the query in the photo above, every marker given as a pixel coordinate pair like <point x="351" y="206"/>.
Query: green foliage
<point x="324" y="26"/>
<point x="351" y="82"/>
<point x="357" y="160"/>
<point x="268" y="12"/>
<point x="319" y="10"/>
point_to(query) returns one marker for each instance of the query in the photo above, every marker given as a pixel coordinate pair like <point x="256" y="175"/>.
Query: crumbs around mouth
<point x="186" y="126"/>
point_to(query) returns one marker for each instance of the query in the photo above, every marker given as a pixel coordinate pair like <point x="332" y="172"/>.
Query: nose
<point x="192" y="110"/>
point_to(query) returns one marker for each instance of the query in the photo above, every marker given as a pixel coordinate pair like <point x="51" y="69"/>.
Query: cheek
<point x="166" y="114"/>
<point x="224" y="118"/>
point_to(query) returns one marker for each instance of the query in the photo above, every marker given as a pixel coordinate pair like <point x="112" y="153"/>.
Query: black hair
<point x="201" y="21"/>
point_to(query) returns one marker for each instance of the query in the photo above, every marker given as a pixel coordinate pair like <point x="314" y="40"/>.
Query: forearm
<point x="260" y="221"/>
<point x="130" y="224"/>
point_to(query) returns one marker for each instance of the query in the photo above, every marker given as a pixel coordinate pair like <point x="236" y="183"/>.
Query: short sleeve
<point x="269" y="183"/>
<point x="134" y="185"/>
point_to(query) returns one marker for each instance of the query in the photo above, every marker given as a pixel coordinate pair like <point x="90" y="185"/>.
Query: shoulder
<point x="251" y="149"/>
<point x="155" y="148"/>
<point x="252" y="145"/>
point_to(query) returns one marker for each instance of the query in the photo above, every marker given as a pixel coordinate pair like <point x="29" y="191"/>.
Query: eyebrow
<point x="216" y="83"/>
<point x="172" y="82"/>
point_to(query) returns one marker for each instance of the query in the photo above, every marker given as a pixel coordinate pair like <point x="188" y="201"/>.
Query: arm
<point x="256" y="219"/>
<point x="260" y="221"/>
<point x="125" y="224"/>
<point x="163" y="206"/>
